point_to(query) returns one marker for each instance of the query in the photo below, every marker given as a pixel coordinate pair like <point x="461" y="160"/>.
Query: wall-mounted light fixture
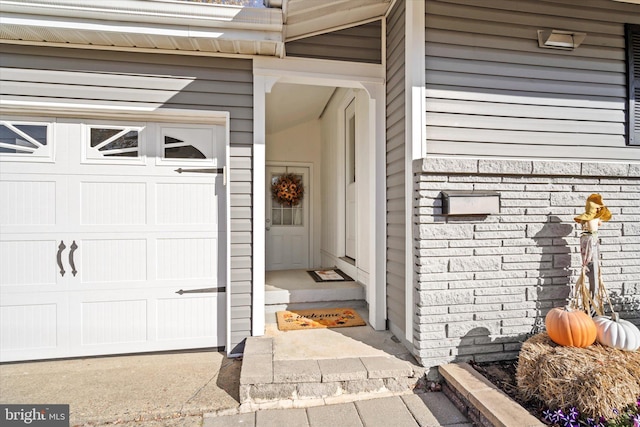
<point x="559" y="39"/>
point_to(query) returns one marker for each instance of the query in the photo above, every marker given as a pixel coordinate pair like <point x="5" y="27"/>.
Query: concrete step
<point x="266" y="383"/>
<point x="319" y="292"/>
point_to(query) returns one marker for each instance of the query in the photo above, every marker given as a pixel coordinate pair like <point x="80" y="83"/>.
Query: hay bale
<point x="594" y="380"/>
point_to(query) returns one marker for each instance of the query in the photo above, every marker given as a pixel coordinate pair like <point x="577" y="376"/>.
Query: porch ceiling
<point x="289" y="105"/>
<point x="178" y="26"/>
<point x="304" y="18"/>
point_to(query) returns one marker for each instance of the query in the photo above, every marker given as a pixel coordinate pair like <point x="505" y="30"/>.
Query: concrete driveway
<point x="143" y="390"/>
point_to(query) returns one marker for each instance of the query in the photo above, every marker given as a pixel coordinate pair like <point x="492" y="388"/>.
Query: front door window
<point x="285" y="213"/>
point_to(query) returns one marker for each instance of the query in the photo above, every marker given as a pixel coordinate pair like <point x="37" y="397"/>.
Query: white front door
<point x="287" y="236"/>
<point x="100" y="232"/>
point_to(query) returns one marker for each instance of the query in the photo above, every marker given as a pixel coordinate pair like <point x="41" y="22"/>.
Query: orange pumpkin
<point x="570" y="327"/>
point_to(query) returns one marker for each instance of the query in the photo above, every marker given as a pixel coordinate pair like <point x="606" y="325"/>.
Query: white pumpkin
<point x="617" y="333"/>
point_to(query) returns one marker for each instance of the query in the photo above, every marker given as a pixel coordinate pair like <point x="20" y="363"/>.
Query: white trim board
<point x="415" y="134"/>
<point x="96" y="111"/>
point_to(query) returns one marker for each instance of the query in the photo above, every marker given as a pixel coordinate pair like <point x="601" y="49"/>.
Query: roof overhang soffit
<point x="187" y="27"/>
<point x="161" y="25"/>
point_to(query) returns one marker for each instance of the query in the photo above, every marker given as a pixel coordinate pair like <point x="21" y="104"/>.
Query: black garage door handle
<point x="71" y="262"/>
<point x="61" y="247"/>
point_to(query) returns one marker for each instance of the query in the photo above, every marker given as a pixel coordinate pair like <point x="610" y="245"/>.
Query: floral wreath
<point x="288" y="190"/>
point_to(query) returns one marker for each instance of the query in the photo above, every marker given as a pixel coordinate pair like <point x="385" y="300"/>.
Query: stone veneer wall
<point x="485" y="283"/>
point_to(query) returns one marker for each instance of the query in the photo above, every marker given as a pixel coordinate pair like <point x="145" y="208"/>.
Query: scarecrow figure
<point x="591" y="298"/>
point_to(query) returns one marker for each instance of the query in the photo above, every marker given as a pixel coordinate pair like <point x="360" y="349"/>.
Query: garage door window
<point x="25" y="140"/>
<point x="175" y="148"/>
<point x="196" y="145"/>
<point x="108" y="142"/>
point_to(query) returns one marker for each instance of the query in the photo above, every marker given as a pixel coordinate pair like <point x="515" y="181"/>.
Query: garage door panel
<point x="28" y="262"/>
<point x="188" y="258"/>
<point x="147" y="260"/>
<point x="28" y="202"/>
<point x="191" y="317"/>
<point x="32" y="203"/>
<point x="187" y="203"/>
<point x="32" y="326"/>
<point x="112" y="260"/>
<point x="114" y="322"/>
<point x="113" y="203"/>
<point x="30" y="323"/>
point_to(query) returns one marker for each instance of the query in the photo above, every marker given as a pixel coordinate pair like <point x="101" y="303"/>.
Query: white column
<point x="378" y="219"/>
<point x="258" y="204"/>
<point x="415" y="110"/>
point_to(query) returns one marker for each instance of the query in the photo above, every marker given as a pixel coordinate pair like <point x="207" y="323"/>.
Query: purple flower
<point x="636" y="420"/>
<point x="573" y="414"/>
<point x="615" y="411"/>
<point x="548" y="413"/>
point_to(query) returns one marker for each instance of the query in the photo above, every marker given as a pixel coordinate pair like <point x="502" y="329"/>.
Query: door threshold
<point x="348" y="260"/>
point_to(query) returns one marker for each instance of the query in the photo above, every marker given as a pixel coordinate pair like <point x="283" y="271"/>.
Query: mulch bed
<point x="503" y="375"/>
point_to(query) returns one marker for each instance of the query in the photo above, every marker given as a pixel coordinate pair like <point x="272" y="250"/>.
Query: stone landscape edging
<point x="481" y="401"/>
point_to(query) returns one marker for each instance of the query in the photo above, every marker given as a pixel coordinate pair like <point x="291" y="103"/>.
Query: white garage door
<point x="100" y="233"/>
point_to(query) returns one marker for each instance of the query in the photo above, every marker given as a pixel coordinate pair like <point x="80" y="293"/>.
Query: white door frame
<point x="370" y="77"/>
<point x="347" y="107"/>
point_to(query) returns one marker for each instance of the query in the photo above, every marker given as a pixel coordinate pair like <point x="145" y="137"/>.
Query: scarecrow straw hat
<point x="594" y="209"/>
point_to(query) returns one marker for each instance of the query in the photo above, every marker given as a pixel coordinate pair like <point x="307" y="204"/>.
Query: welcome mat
<point x="335" y="275"/>
<point x="318" y="318"/>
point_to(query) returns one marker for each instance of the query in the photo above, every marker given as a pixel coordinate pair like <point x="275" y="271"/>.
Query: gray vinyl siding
<point x="356" y="44"/>
<point x="165" y="81"/>
<point x="491" y="91"/>
<point x="396" y="164"/>
<point x="241" y="158"/>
